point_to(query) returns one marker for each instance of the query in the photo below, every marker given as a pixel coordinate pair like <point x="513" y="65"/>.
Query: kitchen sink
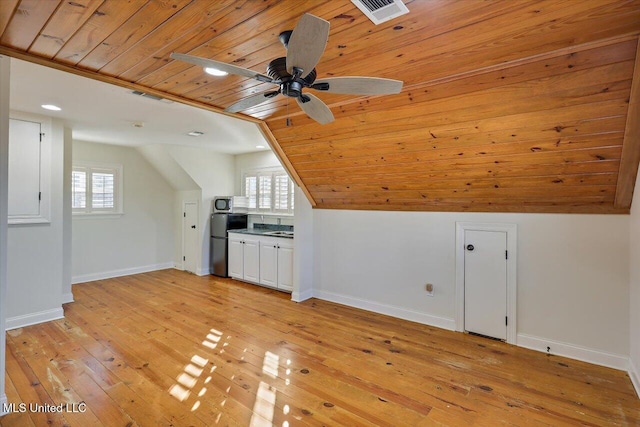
<point x="280" y="233"/>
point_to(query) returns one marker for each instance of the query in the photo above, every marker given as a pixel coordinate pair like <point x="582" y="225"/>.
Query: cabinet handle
<point x="274" y="246"/>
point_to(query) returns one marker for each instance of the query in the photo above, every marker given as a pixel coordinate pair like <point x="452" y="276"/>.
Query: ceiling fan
<point x="295" y="72"/>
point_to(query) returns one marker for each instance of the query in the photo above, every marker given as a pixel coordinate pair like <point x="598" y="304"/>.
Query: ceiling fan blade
<point x="307" y="43"/>
<point x="222" y="66"/>
<point x="359" y="85"/>
<point x="250" y="101"/>
<point x="316" y="109"/>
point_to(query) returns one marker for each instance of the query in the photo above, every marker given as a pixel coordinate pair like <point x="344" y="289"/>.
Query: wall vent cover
<point x="150" y="96"/>
<point x="379" y="11"/>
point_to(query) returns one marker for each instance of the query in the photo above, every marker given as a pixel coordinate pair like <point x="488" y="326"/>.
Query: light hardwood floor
<point x="170" y="348"/>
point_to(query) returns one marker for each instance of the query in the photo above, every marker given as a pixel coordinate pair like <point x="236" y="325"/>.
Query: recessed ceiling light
<point x="51" y="107"/>
<point x="195" y="133"/>
<point x="215" y="72"/>
<point x="259" y="146"/>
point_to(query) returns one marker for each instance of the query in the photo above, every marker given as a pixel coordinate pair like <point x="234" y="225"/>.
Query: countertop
<point x="266" y="231"/>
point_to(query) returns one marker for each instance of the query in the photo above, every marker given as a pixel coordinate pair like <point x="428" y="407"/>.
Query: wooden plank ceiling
<point x="508" y="106"/>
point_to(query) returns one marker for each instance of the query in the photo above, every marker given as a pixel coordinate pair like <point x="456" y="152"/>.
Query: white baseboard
<point x="118" y="273"/>
<point x="389" y="310"/>
<point x="34" y="318"/>
<point x="301" y="296"/>
<point x="573" y="351"/>
<point x="203" y="272"/>
<point x="3" y="404"/>
<point x="68" y="297"/>
<point x="634" y="374"/>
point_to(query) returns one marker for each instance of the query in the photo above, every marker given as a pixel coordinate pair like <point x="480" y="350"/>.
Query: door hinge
<point x="40" y="196"/>
<point x="184" y="214"/>
<point x="506" y="321"/>
<point x="41" y="135"/>
<point x="506" y="254"/>
<point x="184" y="258"/>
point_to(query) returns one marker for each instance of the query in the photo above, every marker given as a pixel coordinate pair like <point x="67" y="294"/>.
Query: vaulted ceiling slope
<point x="507" y="106"/>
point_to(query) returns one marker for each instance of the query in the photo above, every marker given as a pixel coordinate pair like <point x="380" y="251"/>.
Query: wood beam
<point x="631" y="143"/>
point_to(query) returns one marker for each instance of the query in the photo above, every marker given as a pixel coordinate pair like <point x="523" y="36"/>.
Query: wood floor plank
<point x="171" y="348"/>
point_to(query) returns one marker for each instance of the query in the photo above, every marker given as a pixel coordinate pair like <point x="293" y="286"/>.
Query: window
<point x="96" y="188"/>
<point x="269" y="191"/>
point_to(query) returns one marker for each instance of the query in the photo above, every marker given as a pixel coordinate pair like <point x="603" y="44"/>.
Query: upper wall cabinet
<point x="29" y="170"/>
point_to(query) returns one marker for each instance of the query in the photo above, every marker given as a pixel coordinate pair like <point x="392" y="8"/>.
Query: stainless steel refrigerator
<point x="221" y="223"/>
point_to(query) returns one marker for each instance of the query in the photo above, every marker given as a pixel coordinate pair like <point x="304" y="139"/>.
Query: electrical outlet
<point x="429" y="288"/>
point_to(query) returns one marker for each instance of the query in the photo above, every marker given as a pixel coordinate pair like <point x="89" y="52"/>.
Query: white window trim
<point x="98" y="213"/>
<point x="45" y="171"/>
<point x="273" y="171"/>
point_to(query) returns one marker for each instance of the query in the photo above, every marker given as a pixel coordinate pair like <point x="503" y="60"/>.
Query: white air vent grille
<point x="379" y="11"/>
<point x="150" y="96"/>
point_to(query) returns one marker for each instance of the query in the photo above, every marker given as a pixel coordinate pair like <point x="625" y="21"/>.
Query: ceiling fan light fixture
<point x="215" y="72"/>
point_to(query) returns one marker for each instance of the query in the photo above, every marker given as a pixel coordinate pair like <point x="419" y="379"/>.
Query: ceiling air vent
<point x="380" y="11"/>
<point x="148" y="95"/>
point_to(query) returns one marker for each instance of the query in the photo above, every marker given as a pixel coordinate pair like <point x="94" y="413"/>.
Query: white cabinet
<point x="236" y="263"/>
<point x="269" y="262"/>
<point x="276" y="262"/>
<point x="264" y="260"/>
<point x="244" y="257"/>
<point x="251" y="260"/>
<point x="285" y="266"/>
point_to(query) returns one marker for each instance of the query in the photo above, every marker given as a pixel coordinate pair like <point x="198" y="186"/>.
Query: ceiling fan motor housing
<point x="289" y="85"/>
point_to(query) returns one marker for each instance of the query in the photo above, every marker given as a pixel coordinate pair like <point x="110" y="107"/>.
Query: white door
<point x="485" y="283"/>
<point x="251" y="261"/>
<point x="269" y="263"/>
<point x="235" y="258"/>
<point x="190" y="233"/>
<point x="285" y="268"/>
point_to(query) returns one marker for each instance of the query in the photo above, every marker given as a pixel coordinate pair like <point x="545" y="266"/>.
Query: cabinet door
<point x="285" y="267"/>
<point x="251" y="261"/>
<point x="235" y="258"/>
<point x="269" y="263"/>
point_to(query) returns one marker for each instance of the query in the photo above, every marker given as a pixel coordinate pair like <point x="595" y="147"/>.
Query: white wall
<point x="67" y="295"/>
<point x="303" y="254"/>
<point x="36" y="251"/>
<point x="4" y="195"/>
<point x="634" y="294"/>
<point x="139" y="240"/>
<point x="257" y="160"/>
<point x="214" y="174"/>
<point x="158" y="155"/>
<point x="261" y="160"/>
<point x="573" y="271"/>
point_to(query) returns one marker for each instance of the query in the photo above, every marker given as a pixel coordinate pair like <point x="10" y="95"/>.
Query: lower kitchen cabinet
<point x="244" y="257"/>
<point x="276" y="263"/>
<point x="262" y="259"/>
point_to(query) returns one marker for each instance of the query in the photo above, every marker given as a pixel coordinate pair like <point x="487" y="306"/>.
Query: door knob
<point x="193" y="226"/>
<point x="470" y="247"/>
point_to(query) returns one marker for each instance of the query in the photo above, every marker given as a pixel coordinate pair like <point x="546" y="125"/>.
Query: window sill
<point x="271" y="214"/>
<point x="97" y="215"/>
